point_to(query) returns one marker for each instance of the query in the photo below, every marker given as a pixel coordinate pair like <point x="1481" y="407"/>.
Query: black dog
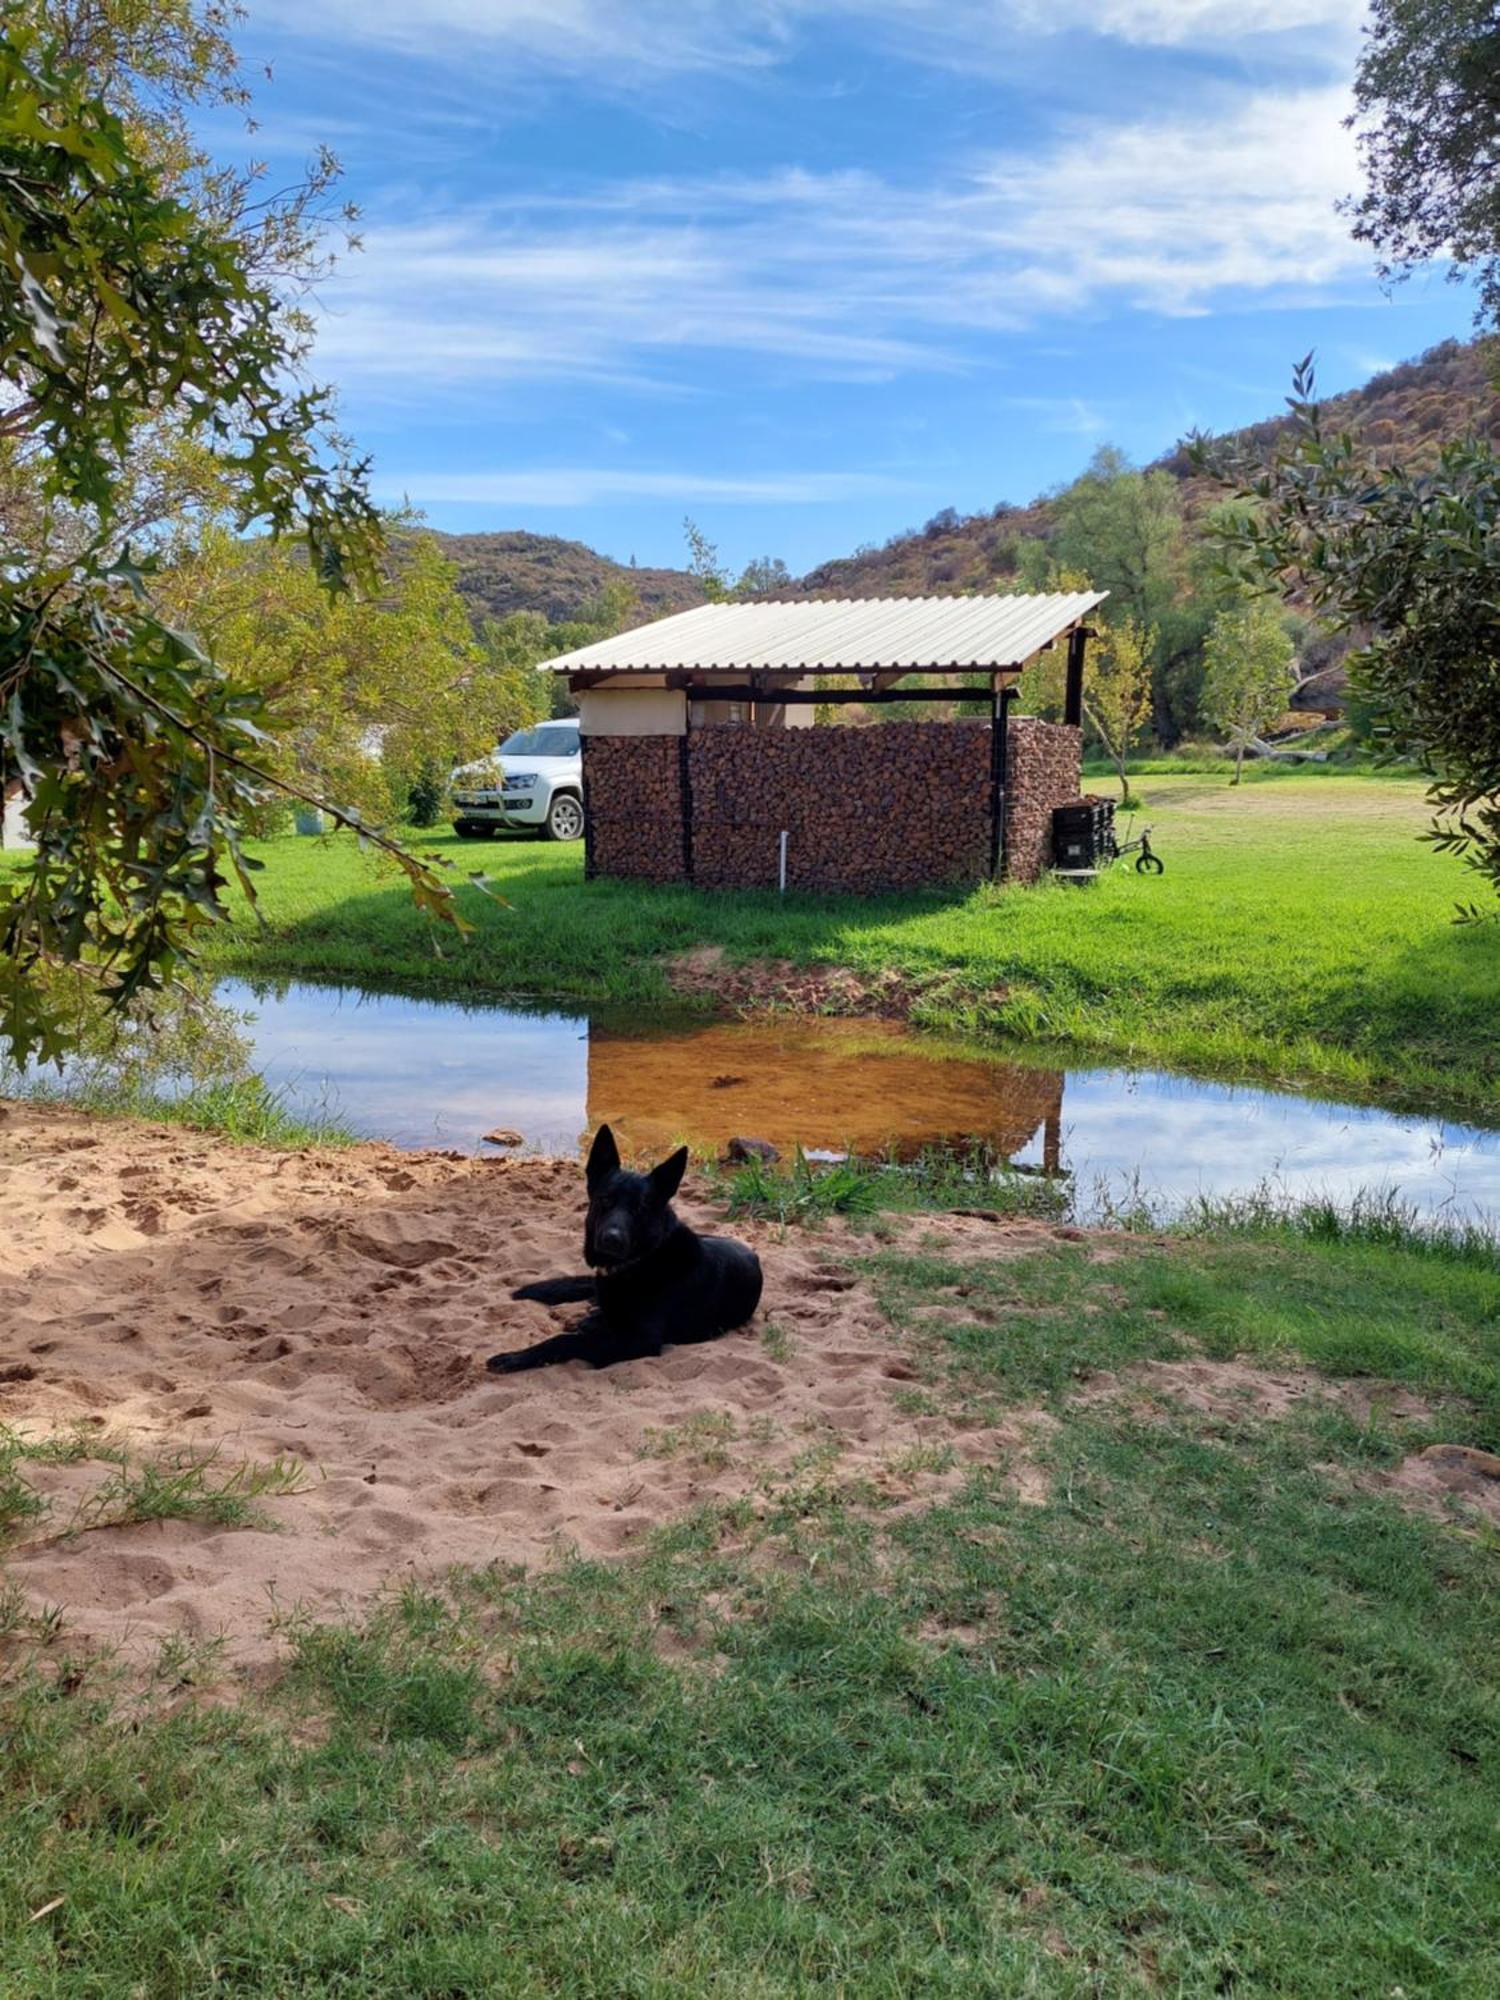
<point x="658" y="1283"/>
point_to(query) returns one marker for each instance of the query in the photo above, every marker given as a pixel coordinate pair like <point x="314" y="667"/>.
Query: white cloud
<point x="1173" y="214"/>
<point x="1182" y="23"/>
<point x="583" y="486"/>
<point x="603" y="38"/>
<point x="849" y="274"/>
<point x="1069" y="415"/>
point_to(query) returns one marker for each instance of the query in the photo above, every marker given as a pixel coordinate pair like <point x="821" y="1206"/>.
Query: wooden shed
<point x="700" y="764"/>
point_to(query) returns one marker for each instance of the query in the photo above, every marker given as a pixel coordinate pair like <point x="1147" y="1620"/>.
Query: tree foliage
<point x="515" y="694"/>
<point x="1249" y="671"/>
<point x="1117" y="678"/>
<point x="762" y="576"/>
<point x="1117" y="689"/>
<point x="1123" y="528"/>
<point x="1406" y="556"/>
<point x="1427" y="117"/>
<point x="123" y="304"/>
<point x="368" y="691"/>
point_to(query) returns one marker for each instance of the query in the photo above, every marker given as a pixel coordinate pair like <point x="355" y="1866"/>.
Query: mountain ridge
<point x="1403" y="411"/>
<point x="513" y="569"/>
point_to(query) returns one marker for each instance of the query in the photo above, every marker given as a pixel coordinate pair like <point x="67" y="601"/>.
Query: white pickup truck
<point x="535" y="779"/>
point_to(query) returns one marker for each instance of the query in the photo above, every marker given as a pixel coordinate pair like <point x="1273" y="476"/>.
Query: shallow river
<point x="436" y="1073"/>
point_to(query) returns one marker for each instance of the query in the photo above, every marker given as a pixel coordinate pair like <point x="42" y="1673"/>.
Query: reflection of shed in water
<point x="856" y="1086"/>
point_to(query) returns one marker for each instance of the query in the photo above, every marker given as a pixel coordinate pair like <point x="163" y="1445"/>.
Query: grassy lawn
<point x="1207" y="1712"/>
<point x="1301" y="932"/>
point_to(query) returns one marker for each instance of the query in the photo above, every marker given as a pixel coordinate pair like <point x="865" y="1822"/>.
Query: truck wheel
<point x="565" y="817"/>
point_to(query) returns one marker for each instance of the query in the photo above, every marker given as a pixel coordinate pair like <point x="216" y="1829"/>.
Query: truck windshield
<point x="547" y="740"/>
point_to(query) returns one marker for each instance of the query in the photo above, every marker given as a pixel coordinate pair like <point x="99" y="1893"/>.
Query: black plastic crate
<point x="1083" y="833"/>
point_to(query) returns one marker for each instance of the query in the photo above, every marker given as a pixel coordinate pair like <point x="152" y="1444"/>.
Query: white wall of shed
<point x="628" y="709"/>
<point x="632" y="711"/>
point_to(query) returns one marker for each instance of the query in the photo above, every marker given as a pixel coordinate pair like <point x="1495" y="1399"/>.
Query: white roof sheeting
<point x="818" y="635"/>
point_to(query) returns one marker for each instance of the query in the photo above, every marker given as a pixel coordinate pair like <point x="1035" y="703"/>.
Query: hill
<point x="1403" y="412"/>
<point x="517" y="571"/>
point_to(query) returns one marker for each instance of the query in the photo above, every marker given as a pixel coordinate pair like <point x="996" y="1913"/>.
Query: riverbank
<point x="1302" y="934"/>
<point x="1014" y="1607"/>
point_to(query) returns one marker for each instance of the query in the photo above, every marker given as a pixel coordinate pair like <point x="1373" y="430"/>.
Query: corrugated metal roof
<point x="821" y="635"/>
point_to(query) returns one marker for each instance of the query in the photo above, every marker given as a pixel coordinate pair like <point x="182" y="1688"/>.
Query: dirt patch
<point x="1237" y="1389"/>
<point x="757" y="983"/>
<point x="173" y="1293"/>
<point x="1444" y="1479"/>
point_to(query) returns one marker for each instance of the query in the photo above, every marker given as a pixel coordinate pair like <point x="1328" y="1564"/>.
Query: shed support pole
<point x="685" y="799"/>
<point x="1078" y="640"/>
<point x="999" y="775"/>
<point x="588" y="819"/>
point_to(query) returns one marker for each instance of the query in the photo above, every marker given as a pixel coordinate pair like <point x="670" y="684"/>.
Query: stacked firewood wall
<point x="888" y="806"/>
<point x="885" y="806"/>
<point x="1046" y="759"/>
<point x="632" y="797"/>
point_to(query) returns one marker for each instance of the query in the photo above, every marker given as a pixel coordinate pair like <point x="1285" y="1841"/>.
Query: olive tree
<point x="1405" y="562"/>
<point x="1427" y="122"/>
<point x="122" y="303"/>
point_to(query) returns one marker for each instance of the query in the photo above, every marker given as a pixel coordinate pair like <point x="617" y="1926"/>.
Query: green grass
<point x="1215" y="1716"/>
<point x="803" y="1192"/>
<point x="186" y="1485"/>
<point x="1302" y="932"/>
<point x="245" y="1108"/>
<point x="1424" y="1312"/>
<point x="191" y="1486"/>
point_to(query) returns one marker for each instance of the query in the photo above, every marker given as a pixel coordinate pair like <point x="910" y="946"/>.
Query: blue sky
<point x="810" y="270"/>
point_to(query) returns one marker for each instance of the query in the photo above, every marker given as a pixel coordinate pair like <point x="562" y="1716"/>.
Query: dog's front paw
<point x="506" y="1364"/>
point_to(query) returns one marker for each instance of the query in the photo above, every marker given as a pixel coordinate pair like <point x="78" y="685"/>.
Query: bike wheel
<point x="1150" y="864"/>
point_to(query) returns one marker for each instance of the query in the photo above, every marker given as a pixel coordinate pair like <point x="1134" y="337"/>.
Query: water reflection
<point x="835" y="1086"/>
<point x="432" y="1073"/>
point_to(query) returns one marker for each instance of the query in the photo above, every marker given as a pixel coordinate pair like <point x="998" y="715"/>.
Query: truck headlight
<point x="520" y="784"/>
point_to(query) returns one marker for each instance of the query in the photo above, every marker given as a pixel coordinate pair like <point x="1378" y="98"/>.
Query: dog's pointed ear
<point x="667" y="1178"/>
<point x="604" y="1158"/>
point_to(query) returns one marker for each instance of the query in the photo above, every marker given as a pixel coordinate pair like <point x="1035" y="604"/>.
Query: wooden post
<point x="999" y="775"/>
<point x="588" y="817"/>
<point x="1078" y="640"/>
<point x="685" y="800"/>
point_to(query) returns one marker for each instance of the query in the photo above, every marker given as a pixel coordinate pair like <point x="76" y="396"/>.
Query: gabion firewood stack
<point x="632" y="795"/>
<point x="887" y="806"/>
<point x="1046" y="763"/>
<point x="883" y="806"/>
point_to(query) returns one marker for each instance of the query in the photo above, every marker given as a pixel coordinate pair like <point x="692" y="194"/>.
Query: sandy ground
<point x="173" y="1294"/>
<point x="176" y="1293"/>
